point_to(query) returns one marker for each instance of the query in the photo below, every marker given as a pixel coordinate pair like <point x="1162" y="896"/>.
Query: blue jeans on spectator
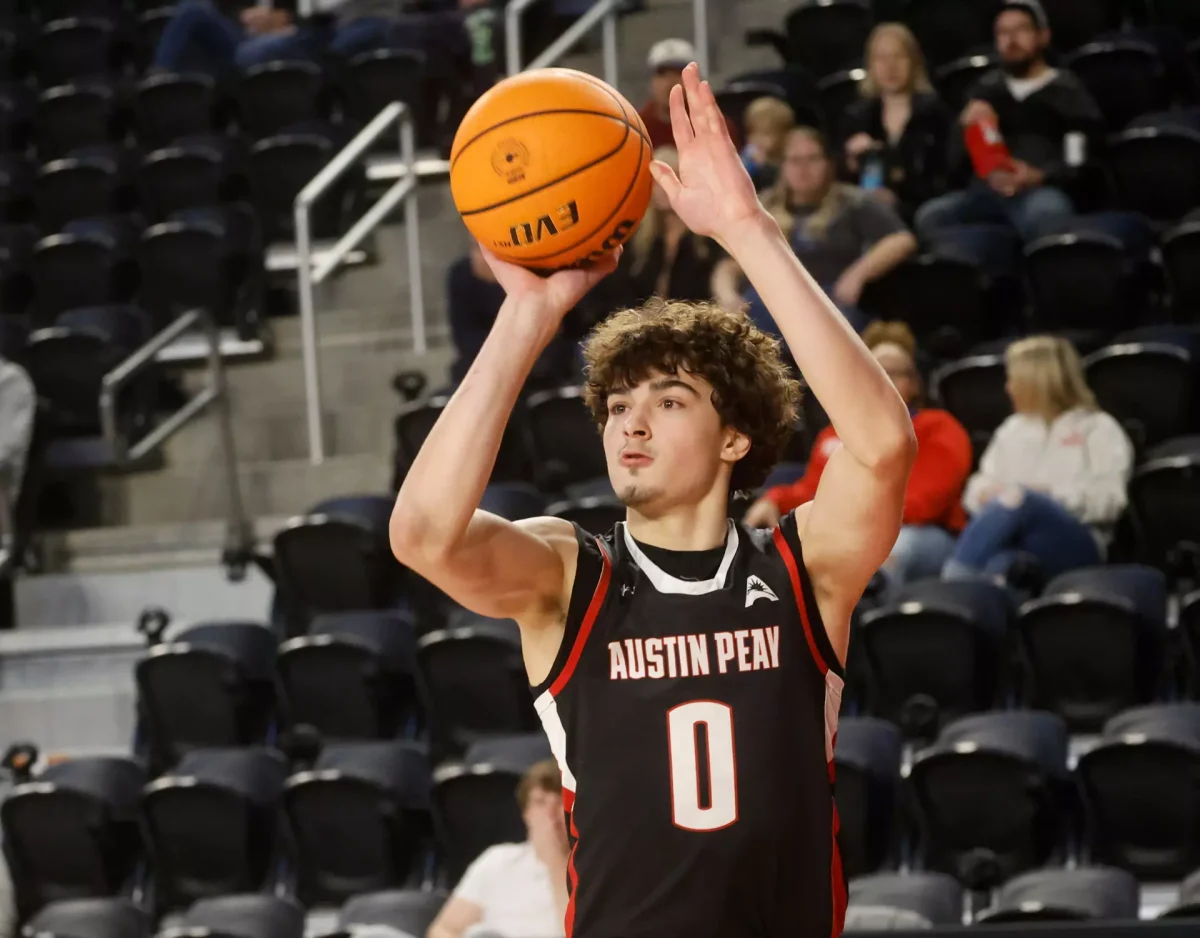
<point x="761" y="317"/>
<point x="1038" y="526"/>
<point x="920" y="551"/>
<point x="1034" y="213"/>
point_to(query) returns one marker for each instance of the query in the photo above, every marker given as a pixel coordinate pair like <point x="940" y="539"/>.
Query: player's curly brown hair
<point x="753" y="390"/>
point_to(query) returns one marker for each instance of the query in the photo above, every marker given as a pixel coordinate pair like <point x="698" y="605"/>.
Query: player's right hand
<point x="764" y="513"/>
<point x="547" y="299"/>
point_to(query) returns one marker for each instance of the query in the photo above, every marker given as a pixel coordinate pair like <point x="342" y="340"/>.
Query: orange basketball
<point x="551" y="168"/>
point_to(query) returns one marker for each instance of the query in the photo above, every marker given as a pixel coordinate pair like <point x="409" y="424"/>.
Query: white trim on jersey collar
<point x="665" y="583"/>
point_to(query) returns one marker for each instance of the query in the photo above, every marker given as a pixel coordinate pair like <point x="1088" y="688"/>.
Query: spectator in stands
<point x="844" y="237"/>
<point x="768" y="121"/>
<point x="895" y="137"/>
<point x="666" y="62"/>
<point x="1052" y="481"/>
<point x="18" y="405"/>
<point x="516" y="890"/>
<point x="1035" y="108"/>
<point x="199" y="37"/>
<point x="933" y="514"/>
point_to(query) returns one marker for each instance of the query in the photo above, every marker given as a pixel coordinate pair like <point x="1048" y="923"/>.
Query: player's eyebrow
<point x="664" y="384"/>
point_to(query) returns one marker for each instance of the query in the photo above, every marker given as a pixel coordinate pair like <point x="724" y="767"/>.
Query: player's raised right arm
<point x="492" y="566"/>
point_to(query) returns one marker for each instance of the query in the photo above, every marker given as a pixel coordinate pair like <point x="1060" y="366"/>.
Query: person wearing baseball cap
<point x="666" y="62"/>
<point x="1027" y="110"/>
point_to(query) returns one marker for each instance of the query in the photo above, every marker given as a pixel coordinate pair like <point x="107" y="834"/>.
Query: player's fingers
<point x="511" y="277"/>
<point x="665" y="176"/>
<point x="681" y="124"/>
<point x="695" y="99"/>
<point x="712" y="111"/>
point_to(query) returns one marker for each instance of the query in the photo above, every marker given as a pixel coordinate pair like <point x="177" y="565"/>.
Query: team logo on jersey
<point x="756" y="589"/>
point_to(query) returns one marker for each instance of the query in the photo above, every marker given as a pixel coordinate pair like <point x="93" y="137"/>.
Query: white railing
<point x="312" y="273"/>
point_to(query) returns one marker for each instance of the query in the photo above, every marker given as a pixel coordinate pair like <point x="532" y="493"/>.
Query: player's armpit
<point x="848" y="531"/>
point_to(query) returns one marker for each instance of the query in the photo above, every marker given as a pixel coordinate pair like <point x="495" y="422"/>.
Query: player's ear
<point x="736" y="445"/>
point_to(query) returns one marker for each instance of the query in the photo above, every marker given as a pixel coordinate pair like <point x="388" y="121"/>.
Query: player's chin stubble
<point x="635" y="496"/>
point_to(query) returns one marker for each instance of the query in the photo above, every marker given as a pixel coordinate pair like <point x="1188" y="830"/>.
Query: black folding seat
<point x="949" y="29"/>
<point x="1150" y="387"/>
<point x="16" y="119"/>
<point x="993" y="796"/>
<point x="1082" y="281"/>
<point x="867" y="760"/>
<point x="90" y="918"/>
<point x="475" y="804"/>
<point x="337" y="558"/>
<point x="1075" y="24"/>
<point x="85" y="268"/>
<point x="72" y="832"/>
<point x="1189" y="633"/>
<point x="249" y="915"/>
<point x="59" y="9"/>
<point x="16" y="188"/>
<point x="934" y="652"/>
<point x="798" y="84"/>
<point x="409" y="911"/>
<point x="1164" y="501"/>
<point x="415" y="420"/>
<point x="213" y="822"/>
<point x="942" y="300"/>
<point x="1140" y="788"/>
<point x="277" y="96"/>
<point x="354" y="676"/>
<point x="566" y="442"/>
<point x="282" y="165"/>
<point x="1181" y="14"/>
<point x="955" y="79"/>
<point x="735" y="96"/>
<point x="898" y="901"/>
<point x="1188" y="905"/>
<point x="1088" y="893"/>
<point x="16" y="288"/>
<point x="372" y="80"/>
<point x="78" y="187"/>
<point x="1156" y="171"/>
<point x="360" y="819"/>
<point x="76" y="47"/>
<point x="168" y="107"/>
<point x="838" y="91"/>
<point x="596" y="514"/>
<point x="1126" y="78"/>
<point x="191" y="173"/>
<point x="826" y="36"/>
<point x="1095" y="643"/>
<point x="212" y="685"/>
<point x="76" y="115"/>
<point x="1181" y="261"/>
<point x="476" y="680"/>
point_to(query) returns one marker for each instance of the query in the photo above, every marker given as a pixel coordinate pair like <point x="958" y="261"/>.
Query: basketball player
<point x="687" y="671"/>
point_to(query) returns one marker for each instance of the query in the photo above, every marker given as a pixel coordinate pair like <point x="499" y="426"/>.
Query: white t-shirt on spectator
<point x="1022" y="88"/>
<point x="512" y="887"/>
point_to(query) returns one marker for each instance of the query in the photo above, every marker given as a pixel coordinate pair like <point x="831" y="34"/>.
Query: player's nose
<point x="636" y="424"/>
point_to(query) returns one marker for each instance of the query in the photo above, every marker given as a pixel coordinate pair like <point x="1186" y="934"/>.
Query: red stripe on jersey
<point x="789" y="561"/>
<point x="585" y="627"/>
<point x="568" y="800"/>
<point x="836" y="876"/>
<point x="573" y="877"/>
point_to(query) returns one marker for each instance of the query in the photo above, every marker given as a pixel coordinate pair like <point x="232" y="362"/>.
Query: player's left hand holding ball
<point x="713" y="193"/>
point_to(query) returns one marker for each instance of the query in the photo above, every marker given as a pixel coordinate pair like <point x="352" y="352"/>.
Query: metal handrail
<point x="240" y="533"/>
<point x="310" y="275"/>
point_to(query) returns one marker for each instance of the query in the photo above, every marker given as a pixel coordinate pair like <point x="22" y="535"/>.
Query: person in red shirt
<point x="666" y="62"/>
<point x="933" y="512"/>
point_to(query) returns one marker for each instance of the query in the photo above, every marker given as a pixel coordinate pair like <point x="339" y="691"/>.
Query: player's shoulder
<point x="557" y="532"/>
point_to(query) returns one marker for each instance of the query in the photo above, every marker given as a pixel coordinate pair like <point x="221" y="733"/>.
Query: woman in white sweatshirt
<point x="1052" y="481"/>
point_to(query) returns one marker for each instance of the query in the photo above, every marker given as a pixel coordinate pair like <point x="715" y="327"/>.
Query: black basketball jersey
<point x="694" y="723"/>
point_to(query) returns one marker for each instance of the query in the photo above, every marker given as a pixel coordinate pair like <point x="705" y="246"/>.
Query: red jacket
<point x="935" y="487"/>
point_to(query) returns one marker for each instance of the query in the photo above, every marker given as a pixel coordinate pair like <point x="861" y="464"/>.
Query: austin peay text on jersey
<point x="674" y="656"/>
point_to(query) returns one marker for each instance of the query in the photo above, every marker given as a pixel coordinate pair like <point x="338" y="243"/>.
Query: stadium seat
<point x="991" y="796"/>
<point x="513" y="501"/>
<point x="72" y="832"/>
<point x="735" y="96"/>
<point x="72" y="116"/>
<point x="903" y="901"/>
<point x="800" y="87"/>
<point x="1065" y="895"/>
<point x="59" y="9"/>
<point x="596" y="514"/>
<point x="1142" y="799"/>
<point x="337" y="558"/>
<point x="213" y="824"/>
<point x="949" y="29"/>
<point x="1189" y="632"/>
<point x="1183" y="15"/>
<point x="187" y="174"/>
<point x="90" y="918"/>
<point x="1164" y="500"/>
<point x="1188" y="905"/>
<point x="76" y="47"/>
<point x="475" y="800"/>
<point x="373" y="80"/>
<point x="210" y="686"/>
<point x="278" y="96"/>
<point x="360" y="819"/>
<point x="1156" y="171"/>
<point x="16" y="119"/>
<point x="941" y="299"/>
<point x="838" y="91"/>
<point x="415" y="420"/>
<point x="70" y="189"/>
<point x="280" y="167"/>
<point x="73" y="270"/>
<point x="1095" y="643"/>
<point x="185" y="265"/>
<point x="1082" y="281"/>
<point x="1126" y="79"/>
<point x="168" y="107"/>
<point x="826" y="36"/>
<point x="476" y="680"/>
<point x="409" y="911"/>
<point x="955" y="79"/>
<point x="241" y="916"/>
<point x="566" y="442"/>
<point x="354" y="676"/>
<point x="1075" y="24"/>
<point x="934" y="652"/>
<point x="1150" y="387"/>
<point x="1181" y="260"/>
<point x="867" y="759"/>
<point x="148" y="29"/>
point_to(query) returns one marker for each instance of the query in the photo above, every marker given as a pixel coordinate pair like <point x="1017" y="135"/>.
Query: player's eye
<point x="615" y="409"/>
<point x="671" y="404"/>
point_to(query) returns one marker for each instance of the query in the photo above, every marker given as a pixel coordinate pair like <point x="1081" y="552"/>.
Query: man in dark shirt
<point x="666" y="63"/>
<point x="1037" y="109"/>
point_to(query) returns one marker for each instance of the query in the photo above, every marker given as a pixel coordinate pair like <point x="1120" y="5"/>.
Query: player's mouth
<point x="635" y="460"/>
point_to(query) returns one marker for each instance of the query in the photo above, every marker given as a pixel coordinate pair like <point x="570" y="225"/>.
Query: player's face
<point x="664" y="442"/>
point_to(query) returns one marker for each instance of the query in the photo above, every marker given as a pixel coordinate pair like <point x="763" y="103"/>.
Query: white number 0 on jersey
<point x="722" y="809"/>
